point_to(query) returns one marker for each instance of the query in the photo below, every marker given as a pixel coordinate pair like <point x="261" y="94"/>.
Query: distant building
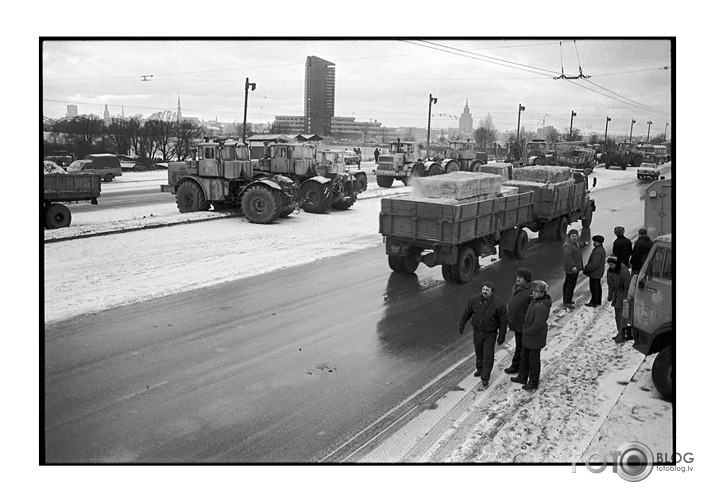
<point x="285" y="124"/>
<point x="546" y="132"/>
<point x="106" y="113"/>
<point x="178" y="110"/>
<point x="319" y="107"/>
<point x="71" y="111"/>
<point x="466" y="123"/>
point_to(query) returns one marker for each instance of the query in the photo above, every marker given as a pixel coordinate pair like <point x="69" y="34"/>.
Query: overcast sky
<point x="388" y="80"/>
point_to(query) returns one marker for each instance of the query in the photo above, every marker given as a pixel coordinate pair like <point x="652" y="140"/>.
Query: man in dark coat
<point x="489" y="316"/>
<point x="518" y="304"/>
<point x="618" y="279"/>
<point x="377" y="154"/>
<point x="573" y="263"/>
<point x="595" y="269"/>
<point x="622" y="246"/>
<point x="640" y="250"/>
<point x="534" y="336"/>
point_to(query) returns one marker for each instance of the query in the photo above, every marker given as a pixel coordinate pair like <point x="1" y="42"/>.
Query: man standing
<point x="534" y="336"/>
<point x="518" y="304"/>
<point x="377" y="154"/>
<point x="594" y="269"/>
<point x="489" y="316"/>
<point x="618" y="279"/>
<point x="573" y="263"/>
<point x="640" y="250"/>
<point x="622" y="247"/>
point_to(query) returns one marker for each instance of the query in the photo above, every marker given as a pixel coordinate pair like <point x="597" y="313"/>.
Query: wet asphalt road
<point x="300" y="365"/>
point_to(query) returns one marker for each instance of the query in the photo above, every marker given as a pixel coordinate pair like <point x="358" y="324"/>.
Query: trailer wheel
<point x="561" y="228"/>
<point x="448" y="272"/>
<point x="467" y="264"/>
<point x="260" y="205"/>
<point x="399" y="263"/>
<point x="662" y="373"/>
<point x="190" y="197"/>
<point x="521" y="245"/>
<point x="57" y="216"/>
<point x="384" y="181"/>
<point x="108" y="177"/>
<point x="316" y="197"/>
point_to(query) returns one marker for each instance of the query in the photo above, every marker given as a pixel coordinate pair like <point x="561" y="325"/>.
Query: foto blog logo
<point x="632" y="461"/>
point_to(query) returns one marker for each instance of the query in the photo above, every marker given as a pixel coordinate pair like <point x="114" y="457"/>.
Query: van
<point x="107" y="165"/>
<point x="649" y="311"/>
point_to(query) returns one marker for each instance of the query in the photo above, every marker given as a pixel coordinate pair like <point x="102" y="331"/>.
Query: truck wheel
<point x="467" y="263"/>
<point x="662" y="373"/>
<point x="522" y="243"/>
<point x="108" y="177"/>
<point x="190" y="197"/>
<point x="448" y="272"/>
<point x="561" y="229"/>
<point x="260" y="205"/>
<point x="57" y="216"/>
<point x="399" y="263"/>
<point x="384" y="181"/>
<point x="316" y="197"/>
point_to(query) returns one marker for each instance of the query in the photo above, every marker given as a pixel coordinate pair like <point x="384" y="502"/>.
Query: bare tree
<point x="118" y="130"/>
<point x="164" y="131"/>
<point x="486" y="133"/>
<point x="85" y="130"/>
<point x="186" y="133"/>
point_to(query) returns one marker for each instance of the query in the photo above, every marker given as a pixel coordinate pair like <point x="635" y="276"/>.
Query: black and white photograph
<point x="284" y="253"/>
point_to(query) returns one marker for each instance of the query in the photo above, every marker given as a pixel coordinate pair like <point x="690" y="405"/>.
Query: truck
<point x="461" y="155"/>
<point x="455" y="234"/>
<point x="628" y="154"/>
<point x="322" y="186"/>
<point x="539" y="154"/>
<point x="221" y="173"/>
<point x="59" y="188"/>
<point x="337" y="162"/>
<point x="648" y="309"/>
<point x="403" y="162"/>
<point x="575" y="155"/>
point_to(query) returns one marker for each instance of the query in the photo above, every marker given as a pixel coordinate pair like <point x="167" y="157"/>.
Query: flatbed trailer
<point x="67" y="187"/>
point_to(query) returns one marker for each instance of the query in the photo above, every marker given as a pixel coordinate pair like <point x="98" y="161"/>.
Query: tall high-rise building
<point x="178" y="111"/>
<point x="466" y="123"/>
<point x="319" y="95"/>
<point x="106" y="113"/>
<point x="71" y="110"/>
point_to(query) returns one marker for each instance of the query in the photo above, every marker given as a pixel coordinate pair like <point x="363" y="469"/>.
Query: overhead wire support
<point x="571" y="77"/>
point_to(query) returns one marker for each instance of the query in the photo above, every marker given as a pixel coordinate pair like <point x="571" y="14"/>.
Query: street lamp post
<point x="518" y="127"/>
<point x="630" y="138"/>
<point x="252" y="86"/>
<point x="573" y="114"/>
<point x="647" y="138"/>
<point x="429" y="120"/>
<point x="605" y="136"/>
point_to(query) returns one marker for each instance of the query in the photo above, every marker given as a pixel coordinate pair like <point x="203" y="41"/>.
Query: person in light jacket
<point x="489" y="316"/>
<point x="595" y="268"/>
<point x="533" y="338"/>
<point x="518" y="304"/>
<point x="618" y="279"/>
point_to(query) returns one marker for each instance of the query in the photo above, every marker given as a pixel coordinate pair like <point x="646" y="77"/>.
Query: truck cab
<point x="649" y="311"/>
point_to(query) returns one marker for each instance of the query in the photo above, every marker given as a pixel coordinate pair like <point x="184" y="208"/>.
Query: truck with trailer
<point x="221" y="173"/>
<point x="403" y="162"/>
<point x="336" y="161"/>
<point x="462" y="155"/>
<point x="60" y="187"/>
<point x="648" y="309"/>
<point x="455" y="233"/>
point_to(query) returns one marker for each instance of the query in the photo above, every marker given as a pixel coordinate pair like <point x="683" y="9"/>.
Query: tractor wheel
<point x="448" y="272"/>
<point x="260" y="205"/>
<point x="108" y="177"/>
<point x="561" y="229"/>
<point x="521" y="245"/>
<point x="361" y="182"/>
<point x="467" y="264"/>
<point x="316" y="196"/>
<point x="662" y="373"/>
<point x="286" y="211"/>
<point x="57" y="216"/>
<point x="637" y="161"/>
<point x="624" y="166"/>
<point x="451" y="166"/>
<point x="384" y="181"/>
<point x="474" y="167"/>
<point x="190" y="197"/>
<point x="434" y="170"/>
<point x="418" y="171"/>
<point x="538" y="161"/>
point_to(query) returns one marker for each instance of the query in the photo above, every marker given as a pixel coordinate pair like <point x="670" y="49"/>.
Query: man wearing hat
<point x="618" y="279"/>
<point x="622" y="246"/>
<point x="640" y="251"/>
<point x="534" y="336"/>
<point x="595" y="269"/>
<point x="573" y="263"/>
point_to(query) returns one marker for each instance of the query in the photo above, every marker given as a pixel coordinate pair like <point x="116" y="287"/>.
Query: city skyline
<point x="504" y="73"/>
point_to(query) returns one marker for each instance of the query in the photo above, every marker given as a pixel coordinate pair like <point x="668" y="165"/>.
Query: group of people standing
<point x="529" y="306"/>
